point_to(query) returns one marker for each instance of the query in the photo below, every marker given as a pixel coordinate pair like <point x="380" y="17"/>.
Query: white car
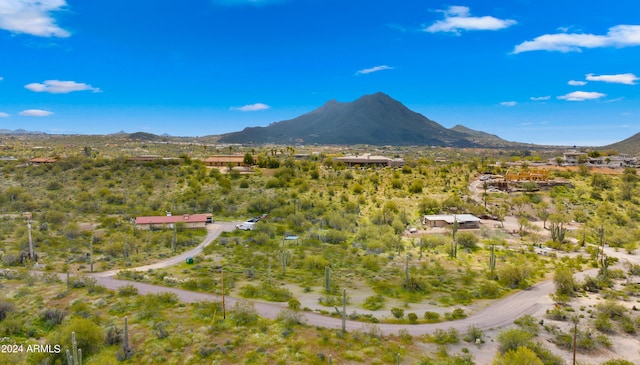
<point x="246" y="226"/>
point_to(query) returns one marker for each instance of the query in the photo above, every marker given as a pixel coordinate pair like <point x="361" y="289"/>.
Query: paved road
<point x="499" y="314"/>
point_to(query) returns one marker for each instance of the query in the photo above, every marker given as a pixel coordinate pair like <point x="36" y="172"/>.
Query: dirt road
<point x="214" y="230"/>
<point x="498" y="314"/>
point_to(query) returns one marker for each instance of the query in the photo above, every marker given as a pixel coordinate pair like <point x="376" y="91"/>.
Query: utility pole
<point x="344" y="310"/>
<point x="224" y="310"/>
<point x="575" y="335"/>
<point x="175" y="239"/>
<point x="91" y="254"/>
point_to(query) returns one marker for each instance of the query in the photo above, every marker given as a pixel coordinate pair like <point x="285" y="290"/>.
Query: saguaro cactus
<point x="76" y="358"/>
<point x="492" y="259"/>
<point x="327" y="279"/>
<point x="344" y="310"/>
<point x="125" y="342"/>
<point x="558" y="232"/>
<point x="126" y="352"/>
<point x="406" y="272"/>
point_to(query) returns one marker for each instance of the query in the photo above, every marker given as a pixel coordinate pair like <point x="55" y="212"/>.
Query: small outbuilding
<point x="443" y="220"/>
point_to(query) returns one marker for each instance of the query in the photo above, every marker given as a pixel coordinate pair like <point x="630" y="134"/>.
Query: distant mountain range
<point x="374" y="119"/>
<point x="19" y="131"/>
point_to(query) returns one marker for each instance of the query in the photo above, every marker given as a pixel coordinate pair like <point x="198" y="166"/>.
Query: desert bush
<point x="294" y="304"/>
<point x="244" y="313"/>
<point x="397" y="312"/>
<point x="82" y="281"/>
<point x="611" y="309"/>
<point x="467" y="240"/>
<point x="557" y="314"/>
<point x="290" y="318"/>
<point x="603" y="323"/>
<point x="373" y="302"/>
<point x="412" y="317"/>
<point x="521" y="355"/>
<point x="617" y="362"/>
<point x="432" y="316"/>
<point x="442" y="337"/>
<point x="513" y="338"/>
<point x="514" y="276"/>
<point x="113" y="336"/>
<point x="89" y="336"/>
<point x="457" y="313"/>
<point x="6" y="307"/>
<point x="474" y="335"/>
<point x="528" y="323"/>
<point x="266" y="291"/>
<point x="52" y="317"/>
<point x="127" y="291"/>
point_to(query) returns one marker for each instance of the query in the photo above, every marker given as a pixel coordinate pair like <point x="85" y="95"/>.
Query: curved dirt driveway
<point x="498" y="314"/>
<point x="213" y="231"/>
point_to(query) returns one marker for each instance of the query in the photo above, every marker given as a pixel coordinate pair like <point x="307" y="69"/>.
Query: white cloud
<point x="251" y="107"/>
<point x="617" y="36"/>
<point x="32" y="17"/>
<point x="582" y="96"/>
<point x="508" y="103"/>
<point x="4" y="115"/>
<point x="627" y="79"/>
<point x="35" y="113"/>
<point x="576" y="83"/>
<point x="373" y="69"/>
<point x="60" y="87"/>
<point x="540" y="98"/>
<point x="457" y="18"/>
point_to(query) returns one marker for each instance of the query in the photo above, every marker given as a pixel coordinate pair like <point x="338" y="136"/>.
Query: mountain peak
<point x="374" y="119"/>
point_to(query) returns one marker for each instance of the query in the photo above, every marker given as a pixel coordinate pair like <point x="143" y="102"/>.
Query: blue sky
<point x="538" y="71"/>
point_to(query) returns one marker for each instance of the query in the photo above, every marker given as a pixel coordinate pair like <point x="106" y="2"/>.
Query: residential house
<point x="444" y="220"/>
<point x="368" y="160"/>
<point x="164" y="222"/>
<point x="225" y="161"/>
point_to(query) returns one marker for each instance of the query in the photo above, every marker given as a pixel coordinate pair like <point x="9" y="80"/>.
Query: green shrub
<point x="431" y="316"/>
<point x="5" y="308"/>
<point x="127" y="291"/>
<point x="89" y="337"/>
<point x="442" y="337"/>
<point x="52" y="317"/>
<point x="457" y="313"/>
<point x="373" y="302"/>
<point x="244" y="313"/>
<point x="266" y="291"/>
<point x="513" y="338"/>
<point x="528" y="323"/>
<point x="474" y="335"/>
<point x="397" y="312"/>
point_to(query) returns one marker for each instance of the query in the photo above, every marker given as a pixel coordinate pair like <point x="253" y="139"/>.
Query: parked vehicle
<point x="246" y="226"/>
